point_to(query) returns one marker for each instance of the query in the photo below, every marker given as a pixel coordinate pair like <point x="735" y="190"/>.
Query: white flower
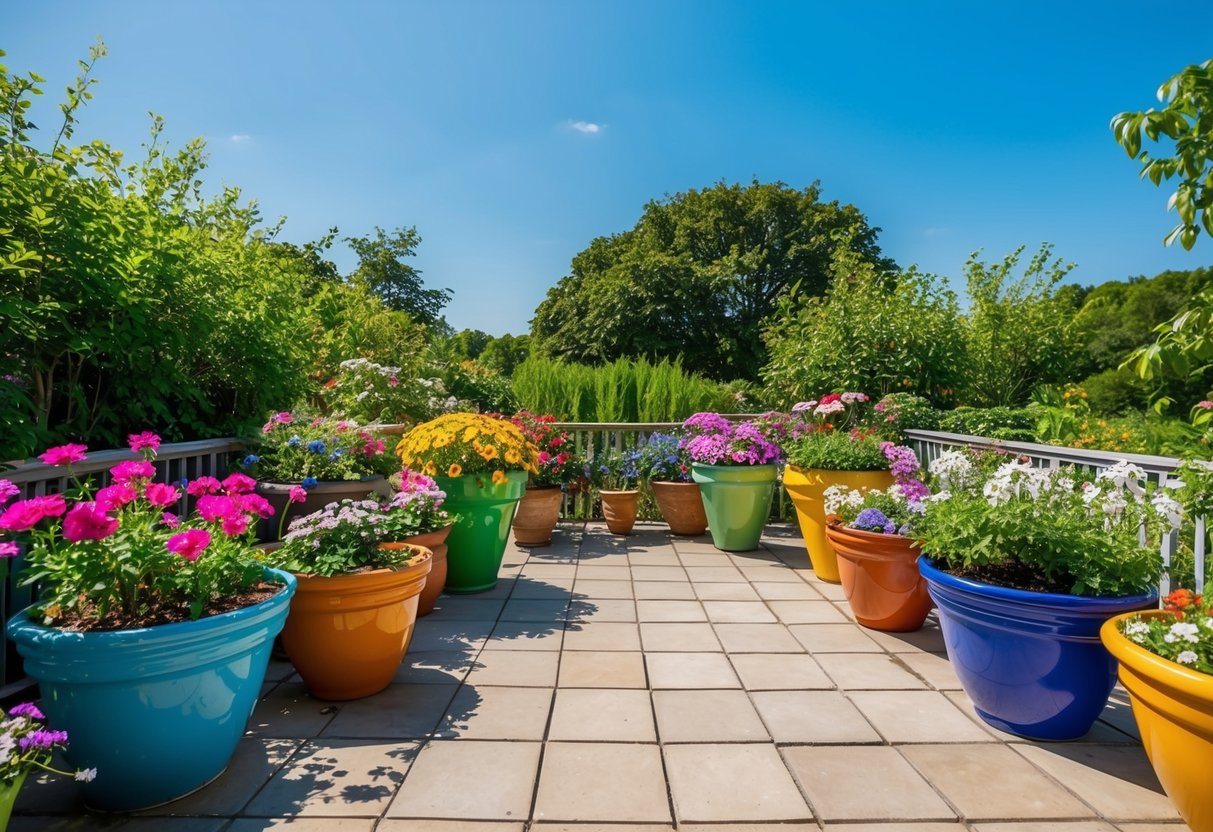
<point x="833" y="407"/>
<point x="1168" y="507"/>
<point x="86" y="775"/>
<point x="1186" y="657"/>
<point x="1182" y="630"/>
<point x="952" y="469"/>
<point x="1125" y="475"/>
<point x="938" y="497"/>
<point x="1136" y="628"/>
<point x="998" y="491"/>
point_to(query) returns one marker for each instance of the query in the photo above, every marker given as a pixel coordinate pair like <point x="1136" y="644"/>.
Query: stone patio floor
<point x="647" y="683"/>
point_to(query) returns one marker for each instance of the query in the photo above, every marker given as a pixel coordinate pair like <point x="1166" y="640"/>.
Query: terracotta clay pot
<point x="681" y="506"/>
<point x="1173" y="706"/>
<point x="619" y="510"/>
<point x="881" y="580"/>
<point x="435" y="582"/>
<point x="806" y="486"/>
<point x="347" y="634"/>
<point x="537" y="515"/>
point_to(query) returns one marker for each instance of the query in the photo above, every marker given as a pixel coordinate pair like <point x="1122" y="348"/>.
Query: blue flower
<point x="309" y="482"/>
<point x="294" y="441"/>
<point x="872" y="520"/>
<point x="251" y="459"/>
<point x="317" y="446"/>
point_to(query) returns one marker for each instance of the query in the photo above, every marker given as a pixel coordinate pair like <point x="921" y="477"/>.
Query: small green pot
<point x="478" y="538"/>
<point x="737" y="501"/>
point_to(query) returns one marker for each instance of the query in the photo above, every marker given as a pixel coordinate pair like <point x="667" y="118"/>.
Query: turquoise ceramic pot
<point x="737" y="501"/>
<point x="157" y="711"/>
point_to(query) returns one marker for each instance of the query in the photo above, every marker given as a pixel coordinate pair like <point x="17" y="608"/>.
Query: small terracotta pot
<point x="619" y="510"/>
<point x="881" y="580"/>
<point x="681" y="506"/>
<point x="347" y="634"/>
<point x="537" y="515"/>
<point x="435" y="582"/>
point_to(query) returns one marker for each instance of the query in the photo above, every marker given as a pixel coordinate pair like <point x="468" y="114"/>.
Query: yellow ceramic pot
<point x="1173" y="706"/>
<point x="805" y="486"/>
<point x="347" y="634"/>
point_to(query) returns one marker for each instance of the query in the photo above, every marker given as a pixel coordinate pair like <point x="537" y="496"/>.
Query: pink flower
<point x="147" y="439"/>
<point x="7" y="491"/>
<point x="235" y="524"/>
<point x="256" y="504"/>
<point x="88" y="521"/>
<point x="283" y="418"/>
<point x="317" y="422"/>
<point x="134" y="469"/>
<point x="238" y="483"/>
<point x="392" y="381"/>
<point x="544" y="457"/>
<point x="1206" y="404"/>
<point x="169" y="519"/>
<point x="189" y="544"/>
<point x="25" y="514"/>
<point x="298" y="494"/>
<point x="203" y="485"/>
<point x="268" y="426"/>
<point x="161" y="495"/>
<point x="343" y="426"/>
<point x="212" y="507"/>
<point x="9" y="550"/>
<point x="64" y="454"/>
<point x="114" y="497"/>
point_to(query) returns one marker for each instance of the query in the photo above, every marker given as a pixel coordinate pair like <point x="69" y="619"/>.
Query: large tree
<point x="382" y="267"/>
<point x="698" y="276"/>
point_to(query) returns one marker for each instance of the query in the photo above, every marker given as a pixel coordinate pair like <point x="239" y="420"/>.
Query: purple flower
<point x="872" y="520"/>
<point x="26" y="709"/>
<point x="42" y="739"/>
<point x="902" y="460"/>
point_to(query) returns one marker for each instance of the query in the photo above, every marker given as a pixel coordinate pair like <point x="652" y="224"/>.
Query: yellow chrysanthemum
<point x="489" y="452"/>
<point x="455" y="470"/>
<point x="512" y="457"/>
<point x="430" y="469"/>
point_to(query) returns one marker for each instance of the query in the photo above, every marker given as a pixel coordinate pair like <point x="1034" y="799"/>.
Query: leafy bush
<point x="837" y="451"/>
<point x="1007" y="423"/>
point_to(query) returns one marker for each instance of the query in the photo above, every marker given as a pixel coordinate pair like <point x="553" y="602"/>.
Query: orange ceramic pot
<point x="619" y="510"/>
<point x="347" y="634"/>
<point x="537" y="515"/>
<point x="806" y="486"/>
<point x="879" y="574"/>
<point x="435" y="582"/>
<point x="681" y="506"/>
<point x="1173" y="706"/>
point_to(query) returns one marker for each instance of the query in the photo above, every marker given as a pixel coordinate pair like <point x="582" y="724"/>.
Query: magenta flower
<point x="212" y="507"/>
<point x="238" y="483"/>
<point x="189" y="544"/>
<point x="298" y="494"/>
<point x="42" y="739"/>
<point x="26" y="709"/>
<point x="169" y="519"/>
<point x="147" y="439"/>
<point x="64" y="454"/>
<point x="256" y="504"/>
<point x="114" y="497"/>
<point x="88" y="521"/>
<point x="392" y="381"/>
<point x="133" y="469"/>
<point x="9" y="550"/>
<point x="161" y="495"/>
<point x="25" y="514"/>
<point x="203" y="485"/>
<point x="234" y="524"/>
<point x="284" y="417"/>
<point x="8" y="491"/>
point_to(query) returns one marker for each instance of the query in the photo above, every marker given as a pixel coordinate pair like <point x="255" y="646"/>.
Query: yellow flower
<point x="470" y="433"/>
<point x="499" y="478"/>
<point x="489" y="452"/>
<point x="455" y="470"/>
<point x="430" y="469"/>
<point x="512" y="457"/>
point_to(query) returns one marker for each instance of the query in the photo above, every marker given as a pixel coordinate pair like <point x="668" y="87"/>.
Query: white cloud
<point x="590" y="128"/>
<point x="240" y="138"/>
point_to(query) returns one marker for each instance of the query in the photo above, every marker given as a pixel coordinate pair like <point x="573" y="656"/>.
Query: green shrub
<point x="1116" y="391"/>
<point x="1007" y="423"/>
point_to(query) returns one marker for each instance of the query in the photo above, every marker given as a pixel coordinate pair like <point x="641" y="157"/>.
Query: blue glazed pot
<point x="1032" y="662"/>
<point x="157" y="711"/>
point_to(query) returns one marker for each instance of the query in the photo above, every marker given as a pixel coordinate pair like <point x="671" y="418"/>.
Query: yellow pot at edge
<point x="805" y="486"/>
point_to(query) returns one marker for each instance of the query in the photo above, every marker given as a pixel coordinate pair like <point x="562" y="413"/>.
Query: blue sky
<point x="511" y="134"/>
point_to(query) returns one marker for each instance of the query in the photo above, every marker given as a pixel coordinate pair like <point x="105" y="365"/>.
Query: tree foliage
<point x="383" y="270"/>
<point x="698" y="276"/>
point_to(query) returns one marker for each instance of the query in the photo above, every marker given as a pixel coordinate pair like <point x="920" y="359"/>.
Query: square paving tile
<point x="715" y="574"/>
<point x="658" y="573"/>
<point x="603" y="715"/>
<point x="336" y="778"/>
<point x="464" y="608"/>
<point x="867" y="671"/>
<point x="391" y="825"/>
<point x="515" y="668"/>
<point x="690" y="671"/>
<point x="397" y="712"/>
<point x="606" y="669"/>
<point x="664" y="557"/>
<point x="675" y="637"/>
<point x="834" y="638"/>
<point x="738" y="612"/>
<point x="528" y="589"/>
<point x="929" y="640"/>
<point x="758" y="572"/>
<point x="492" y="713"/>
<point x="779" y="671"/>
<point x="726" y="592"/>
<point x="991" y="782"/>
<point x="584" y="610"/>
<point x="889" y="788"/>
<point x="503" y="773"/>
<point x="786" y="591"/>
<point x="664" y="590"/>
<point x="812" y="716"/>
<point x="597" y="572"/>
<point x="288" y="825"/>
<point x="807" y="612"/>
<point x="905" y="716"/>
<point x="602" y="635"/>
<point x="832" y="592"/>
<point x="251" y="767"/>
<point x="1051" y="826"/>
<point x="435" y="667"/>
<point x="670" y="611"/>
<point x="432" y="634"/>
<point x="288" y="711"/>
<point x="707" y="716"/>
<point x="757" y="638"/>
<point x="707" y="559"/>
<point x="934" y="667"/>
<point x="732" y="783"/>
<point x="603" y="589"/>
<point x="602" y="782"/>
<point x="526" y="635"/>
<point x="537" y="610"/>
<point x="1117" y="780"/>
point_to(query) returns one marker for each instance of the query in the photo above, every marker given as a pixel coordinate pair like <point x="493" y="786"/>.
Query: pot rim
<point x="1159" y="669"/>
<point x="1093" y="603"/>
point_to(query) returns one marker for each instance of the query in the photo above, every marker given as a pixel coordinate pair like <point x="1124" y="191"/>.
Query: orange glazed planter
<point x="347" y="634"/>
<point x="537" y="515"/>
<point x="1173" y="706"/>
<point x="681" y="506"/>
<point x="806" y="486"/>
<point x="435" y="582"/>
<point x="880" y="577"/>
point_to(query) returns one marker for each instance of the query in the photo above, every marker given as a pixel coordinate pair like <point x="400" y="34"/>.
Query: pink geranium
<point x="234" y="524"/>
<point x="256" y="504"/>
<point x="8" y="491"/>
<point x="25" y="514"/>
<point x="161" y="495"/>
<point x="298" y="494"/>
<point x="203" y="485"/>
<point x="238" y="483"/>
<point x="88" y="521"/>
<point x="189" y="544"/>
<point x="114" y="497"/>
<point x="64" y="454"/>
<point x="212" y="507"/>
<point x="133" y="469"/>
<point x="169" y="519"/>
<point x="147" y="439"/>
<point x="9" y="550"/>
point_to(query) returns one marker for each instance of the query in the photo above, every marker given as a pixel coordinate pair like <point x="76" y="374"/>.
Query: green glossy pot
<point x="8" y="796"/>
<point x="477" y="541"/>
<point x="737" y="501"/>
